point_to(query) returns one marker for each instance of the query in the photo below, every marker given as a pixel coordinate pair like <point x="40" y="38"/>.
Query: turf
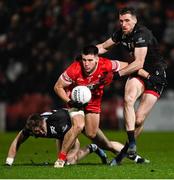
<point x="36" y="157"/>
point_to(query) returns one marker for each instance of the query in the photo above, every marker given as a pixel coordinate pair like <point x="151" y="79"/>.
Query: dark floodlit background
<point x="39" y="39"/>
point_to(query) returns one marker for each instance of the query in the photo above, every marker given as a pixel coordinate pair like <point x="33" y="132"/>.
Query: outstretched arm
<point x="137" y="64"/>
<point x="140" y="72"/>
<point x="143" y="73"/>
<point x="103" y="47"/>
<point x="19" y="139"/>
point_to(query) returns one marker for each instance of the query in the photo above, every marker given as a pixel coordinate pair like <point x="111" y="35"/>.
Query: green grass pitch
<point x="36" y="157"/>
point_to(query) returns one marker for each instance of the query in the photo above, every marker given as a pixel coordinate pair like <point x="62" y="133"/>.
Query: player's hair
<point x="78" y="57"/>
<point x="90" y="49"/>
<point x="33" y="121"/>
<point x="128" y="10"/>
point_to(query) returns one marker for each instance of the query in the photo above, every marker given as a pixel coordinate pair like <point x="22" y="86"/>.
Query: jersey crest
<point x="53" y="131"/>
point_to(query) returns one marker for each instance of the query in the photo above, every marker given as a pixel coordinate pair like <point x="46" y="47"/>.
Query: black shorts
<point x="61" y="121"/>
<point x="150" y="88"/>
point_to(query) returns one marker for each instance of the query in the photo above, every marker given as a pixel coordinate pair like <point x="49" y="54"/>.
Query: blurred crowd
<point x="40" y="38"/>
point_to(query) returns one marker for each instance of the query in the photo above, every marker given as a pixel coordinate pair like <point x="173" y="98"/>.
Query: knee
<point x="91" y="134"/>
<point x="139" y="119"/>
<point x="129" y="100"/>
<point x="79" y="127"/>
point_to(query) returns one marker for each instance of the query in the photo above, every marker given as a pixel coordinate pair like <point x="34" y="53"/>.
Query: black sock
<point x="124" y="150"/>
<point x="122" y="153"/>
<point x="131" y="137"/>
<point x="97" y="151"/>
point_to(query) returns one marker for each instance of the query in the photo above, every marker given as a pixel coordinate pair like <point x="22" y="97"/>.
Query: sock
<point x="92" y="147"/>
<point x="62" y="156"/>
<point x="122" y="153"/>
<point x="100" y="153"/>
<point x="131" y="137"/>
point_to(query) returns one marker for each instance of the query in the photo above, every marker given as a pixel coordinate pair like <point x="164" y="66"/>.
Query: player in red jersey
<point x="92" y="71"/>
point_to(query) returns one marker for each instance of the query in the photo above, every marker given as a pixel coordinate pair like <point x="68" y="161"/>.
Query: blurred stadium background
<point x="40" y="38"/>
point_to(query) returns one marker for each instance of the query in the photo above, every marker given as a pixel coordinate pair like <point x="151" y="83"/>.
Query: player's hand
<point x="75" y="104"/>
<point x="9" y="161"/>
<point x="157" y="80"/>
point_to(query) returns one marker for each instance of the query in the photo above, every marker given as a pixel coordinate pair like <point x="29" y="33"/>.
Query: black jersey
<point x="58" y="123"/>
<point x="142" y="37"/>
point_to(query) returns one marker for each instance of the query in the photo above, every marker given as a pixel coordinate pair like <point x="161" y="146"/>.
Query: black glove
<point x="157" y="80"/>
<point x="74" y="104"/>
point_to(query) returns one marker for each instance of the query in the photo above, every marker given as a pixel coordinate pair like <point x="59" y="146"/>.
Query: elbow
<point x="55" y="88"/>
<point x="141" y="66"/>
<point x="101" y="49"/>
<point x="58" y="89"/>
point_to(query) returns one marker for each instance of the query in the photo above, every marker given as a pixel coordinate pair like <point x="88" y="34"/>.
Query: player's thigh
<point x="145" y="106"/>
<point x="133" y="89"/>
<point x="92" y="123"/>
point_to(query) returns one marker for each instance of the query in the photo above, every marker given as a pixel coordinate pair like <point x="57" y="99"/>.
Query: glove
<point x="157" y="80"/>
<point x="75" y="104"/>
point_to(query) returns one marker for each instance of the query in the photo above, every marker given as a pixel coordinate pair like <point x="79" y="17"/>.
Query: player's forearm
<point x="131" y="68"/>
<point x="12" y="153"/>
<point x="12" y="150"/>
<point x="61" y="93"/>
<point x="143" y="73"/>
<point x="101" y="49"/>
<point x="15" y="145"/>
<point x="20" y="138"/>
<point x="105" y="46"/>
<point x="122" y="64"/>
<point x="59" y="89"/>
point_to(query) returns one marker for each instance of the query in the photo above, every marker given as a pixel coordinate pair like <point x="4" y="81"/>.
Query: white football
<point x="81" y="94"/>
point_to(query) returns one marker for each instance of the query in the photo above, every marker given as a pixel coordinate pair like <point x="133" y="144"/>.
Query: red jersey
<point x="96" y="81"/>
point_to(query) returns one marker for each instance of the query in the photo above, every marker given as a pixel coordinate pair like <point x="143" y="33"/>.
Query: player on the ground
<point x="55" y="124"/>
<point x="51" y="125"/>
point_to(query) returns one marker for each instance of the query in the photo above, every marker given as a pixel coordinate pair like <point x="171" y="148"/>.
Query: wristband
<point x="9" y="161"/>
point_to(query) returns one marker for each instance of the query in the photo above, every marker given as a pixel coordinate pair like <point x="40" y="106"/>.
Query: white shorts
<point x="75" y="111"/>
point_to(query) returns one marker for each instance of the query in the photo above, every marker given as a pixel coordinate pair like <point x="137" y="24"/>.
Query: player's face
<point x="89" y="63"/>
<point x="40" y="129"/>
<point x="127" y="22"/>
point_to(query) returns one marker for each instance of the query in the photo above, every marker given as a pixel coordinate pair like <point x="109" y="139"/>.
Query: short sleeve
<point x="141" y="39"/>
<point x="115" y="65"/>
<point x="117" y="36"/>
<point x="69" y="75"/>
<point x="26" y="132"/>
